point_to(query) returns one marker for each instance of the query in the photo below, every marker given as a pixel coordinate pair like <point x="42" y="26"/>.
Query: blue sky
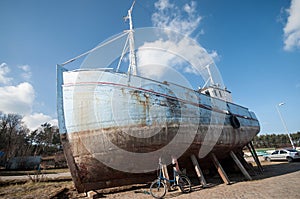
<point x="256" y="46"/>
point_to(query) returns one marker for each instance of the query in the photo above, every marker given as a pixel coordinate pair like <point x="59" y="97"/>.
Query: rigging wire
<point x="94" y="49"/>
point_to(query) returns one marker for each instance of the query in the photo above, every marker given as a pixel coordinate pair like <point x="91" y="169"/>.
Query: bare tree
<point x="12" y="134"/>
<point x="17" y="140"/>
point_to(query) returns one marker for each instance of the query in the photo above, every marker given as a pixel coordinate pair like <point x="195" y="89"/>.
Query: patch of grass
<point x="32" y="172"/>
<point x="264" y="149"/>
<point x="37" y="177"/>
<point x="34" y="190"/>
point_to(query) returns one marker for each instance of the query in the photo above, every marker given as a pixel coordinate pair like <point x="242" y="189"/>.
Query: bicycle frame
<point x="161" y="177"/>
<point x="159" y="187"/>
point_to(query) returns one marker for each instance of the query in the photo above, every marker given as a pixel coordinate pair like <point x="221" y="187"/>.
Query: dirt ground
<point x="280" y="180"/>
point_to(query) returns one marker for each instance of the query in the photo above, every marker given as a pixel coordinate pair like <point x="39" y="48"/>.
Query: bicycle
<point x="158" y="187"/>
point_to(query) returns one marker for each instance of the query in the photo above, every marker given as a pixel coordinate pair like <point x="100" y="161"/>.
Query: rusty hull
<point x="88" y="173"/>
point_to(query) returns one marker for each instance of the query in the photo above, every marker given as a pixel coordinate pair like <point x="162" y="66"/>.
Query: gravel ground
<point x="280" y="180"/>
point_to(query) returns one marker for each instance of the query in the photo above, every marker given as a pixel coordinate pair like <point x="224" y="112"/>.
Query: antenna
<point x="132" y="69"/>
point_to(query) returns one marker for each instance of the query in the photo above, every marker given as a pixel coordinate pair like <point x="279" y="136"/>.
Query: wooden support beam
<point x="174" y="161"/>
<point x="239" y="164"/>
<point x="176" y="168"/>
<point x="198" y="171"/>
<point x="166" y="175"/>
<point x="220" y="169"/>
<point x="255" y="158"/>
<point x="245" y="163"/>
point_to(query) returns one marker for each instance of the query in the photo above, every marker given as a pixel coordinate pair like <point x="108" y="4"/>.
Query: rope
<point x="92" y="50"/>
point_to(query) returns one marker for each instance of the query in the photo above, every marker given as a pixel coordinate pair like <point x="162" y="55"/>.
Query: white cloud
<point x="292" y="27"/>
<point x="170" y="58"/>
<point x="4" y="70"/>
<point x="35" y="120"/>
<point x="172" y="55"/>
<point x="25" y="68"/>
<point x="163" y="4"/>
<point x="26" y="72"/>
<point x="17" y="99"/>
<point x="184" y="20"/>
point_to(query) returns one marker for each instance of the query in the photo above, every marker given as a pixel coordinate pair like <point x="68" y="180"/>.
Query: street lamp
<point x="284" y="124"/>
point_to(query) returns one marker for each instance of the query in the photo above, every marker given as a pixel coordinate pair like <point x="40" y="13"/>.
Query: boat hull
<point x="89" y="173"/>
<point x="114" y="129"/>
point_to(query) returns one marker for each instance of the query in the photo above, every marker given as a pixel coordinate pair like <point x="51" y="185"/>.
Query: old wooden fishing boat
<point x="115" y="125"/>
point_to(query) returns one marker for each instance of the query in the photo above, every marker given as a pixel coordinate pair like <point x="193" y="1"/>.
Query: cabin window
<point x="220" y="93"/>
<point x="215" y="92"/>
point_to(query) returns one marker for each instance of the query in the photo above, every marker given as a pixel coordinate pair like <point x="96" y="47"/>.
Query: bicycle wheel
<point x="184" y="184"/>
<point x="158" y="188"/>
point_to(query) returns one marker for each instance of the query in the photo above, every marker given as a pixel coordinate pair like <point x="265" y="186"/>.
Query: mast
<point x="132" y="69"/>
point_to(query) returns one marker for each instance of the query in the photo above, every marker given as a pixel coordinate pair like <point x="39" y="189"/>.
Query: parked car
<point x="283" y="154"/>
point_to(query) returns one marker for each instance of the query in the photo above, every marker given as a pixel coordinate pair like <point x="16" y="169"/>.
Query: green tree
<point x="45" y="140"/>
<point x="276" y="140"/>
